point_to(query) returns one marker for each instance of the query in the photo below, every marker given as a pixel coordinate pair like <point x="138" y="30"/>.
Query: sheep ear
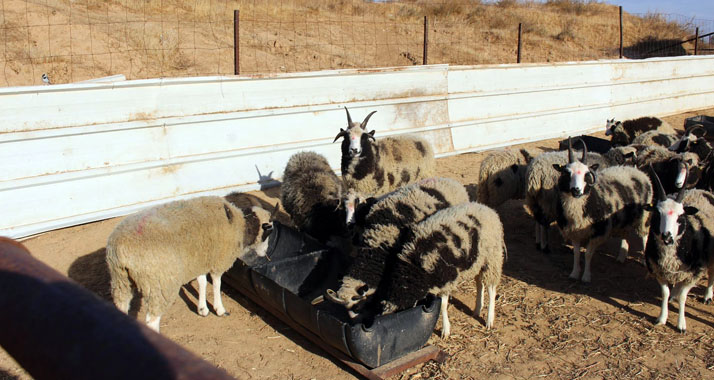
<point x="229" y="213"/>
<point x="558" y="167"/>
<point x="648" y="207"/>
<point x="276" y="209"/>
<point x="594" y="167"/>
<point x="514" y="168"/>
<point x="332" y="296"/>
<point x="690" y="210"/>
<point x="630" y="155"/>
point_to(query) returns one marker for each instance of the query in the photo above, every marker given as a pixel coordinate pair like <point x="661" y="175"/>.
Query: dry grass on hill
<point x="82" y="39"/>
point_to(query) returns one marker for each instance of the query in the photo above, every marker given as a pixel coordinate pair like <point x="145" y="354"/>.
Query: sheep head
<point x="353" y="295"/>
<point x="265" y="220"/>
<point x="576" y="175"/>
<point x="689" y="137"/>
<point x="666" y="222"/>
<point x="610" y="126"/>
<point x="355" y="137"/>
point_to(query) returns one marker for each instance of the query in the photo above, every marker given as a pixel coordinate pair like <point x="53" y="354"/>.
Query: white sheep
<point x="163" y="247"/>
<point x="373" y="167"/>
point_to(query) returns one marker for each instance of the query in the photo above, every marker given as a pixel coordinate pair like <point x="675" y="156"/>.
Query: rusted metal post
<point x="518" y="57"/>
<point x="426" y="39"/>
<point x="55" y="329"/>
<point x="236" y="42"/>
<point x="621" y="45"/>
<point x="696" y="41"/>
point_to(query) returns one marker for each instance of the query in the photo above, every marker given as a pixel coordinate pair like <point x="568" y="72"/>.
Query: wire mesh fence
<point x="75" y="40"/>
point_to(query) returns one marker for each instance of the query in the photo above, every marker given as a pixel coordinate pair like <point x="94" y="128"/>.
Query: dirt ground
<point x="546" y="324"/>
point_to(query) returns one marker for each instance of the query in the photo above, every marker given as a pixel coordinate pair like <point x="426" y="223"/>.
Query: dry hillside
<point x="83" y="39"/>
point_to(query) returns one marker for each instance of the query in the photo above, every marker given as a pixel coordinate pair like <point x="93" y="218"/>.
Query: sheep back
<point x="502" y="176"/>
<point x="388" y="164"/>
<point x="310" y="193"/>
<point x="656" y="138"/>
<point x="452" y="246"/>
<point x="630" y="129"/>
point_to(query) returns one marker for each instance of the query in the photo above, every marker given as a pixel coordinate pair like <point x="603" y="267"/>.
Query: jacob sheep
<point x="454" y="245"/>
<point x="376" y="167"/>
<point x="594" y="205"/>
<point x="384" y="224"/>
<point x="693" y="142"/>
<point x="502" y="176"/>
<point x="161" y="248"/>
<point x="675" y="170"/>
<point x="680" y="246"/>
<point x="311" y="194"/>
<point x="656" y="138"/>
<point x="623" y="133"/>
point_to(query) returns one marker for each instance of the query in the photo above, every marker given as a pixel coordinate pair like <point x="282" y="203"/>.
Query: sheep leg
<point x="676" y="290"/>
<point x="537" y="235"/>
<point x="681" y="322"/>
<point x="479" y="297"/>
<point x="217" y="301"/>
<point x="575" y="274"/>
<point x="664" y="309"/>
<point x="710" y="286"/>
<point x="491" y="305"/>
<point x="624" y="249"/>
<point x="202" y="306"/>
<point x="544" y="238"/>
<point x="588" y="258"/>
<point x="121" y="288"/>
<point x="153" y="321"/>
<point x="445" y="324"/>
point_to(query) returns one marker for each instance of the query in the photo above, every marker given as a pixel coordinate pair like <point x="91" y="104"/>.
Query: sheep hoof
<point x="708" y="301"/>
<point x="586" y="279"/>
<point x="203" y="311"/>
<point x="682" y="330"/>
<point x="225" y="314"/>
<point x="221" y="312"/>
<point x="573" y="276"/>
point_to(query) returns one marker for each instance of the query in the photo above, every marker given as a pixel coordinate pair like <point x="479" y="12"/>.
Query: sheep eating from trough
<point x="453" y="245"/>
<point x="680" y="245"/>
<point x="383" y="224"/>
<point x="161" y="248"/>
<point x="502" y="176"/>
<point x="311" y="194"/>
<point x="623" y="133"/>
<point x="595" y="205"/>
<point x="375" y="167"/>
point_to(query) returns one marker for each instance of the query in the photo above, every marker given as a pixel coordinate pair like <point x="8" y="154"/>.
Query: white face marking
<point x="351" y="201"/>
<point x="681" y="178"/>
<point x="609" y="127"/>
<point x="669" y="212"/>
<point x="577" y="171"/>
<point x="355" y="137"/>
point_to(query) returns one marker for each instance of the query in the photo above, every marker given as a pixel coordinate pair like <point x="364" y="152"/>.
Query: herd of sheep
<point x="408" y="234"/>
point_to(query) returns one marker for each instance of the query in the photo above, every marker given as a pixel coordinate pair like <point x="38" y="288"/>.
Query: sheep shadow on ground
<point x="91" y="272"/>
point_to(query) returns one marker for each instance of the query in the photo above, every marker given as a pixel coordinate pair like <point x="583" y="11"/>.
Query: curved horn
<point x="659" y="189"/>
<point x="366" y="119"/>
<point x="349" y="118"/>
<point x="694" y="128"/>
<point x="570" y="151"/>
<point x="585" y="150"/>
<point x="341" y="134"/>
<point x="680" y="195"/>
<point x="330" y="295"/>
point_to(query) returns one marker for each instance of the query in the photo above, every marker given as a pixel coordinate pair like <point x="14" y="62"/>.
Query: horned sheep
<point x="676" y="170"/>
<point x="160" y="249"/>
<point x="502" y="176"/>
<point x="383" y="224"/>
<point x="454" y="245"/>
<point x="680" y="245"/>
<point x="623" y="133"/>
<point x="311" y="194"/>
<point x="694" y="143"/>
<point x="595" y="205"/>
<point x="372" y="167"/>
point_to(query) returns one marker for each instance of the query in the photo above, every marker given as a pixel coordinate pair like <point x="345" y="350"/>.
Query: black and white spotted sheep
<point x="382" y="225"/>
<point x="656" y="138"/>
<point x="623" y="133"/>
<point x="374" y="167"/>
<point x="680" y="248"/>
<point x="675" y="170"/>
<point x="595" y="205"/>
<point x="502" y="176"/>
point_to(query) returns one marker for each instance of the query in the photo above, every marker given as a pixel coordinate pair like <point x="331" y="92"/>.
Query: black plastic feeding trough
<point x="706" y="121"/>
<point x="298" y="272"/>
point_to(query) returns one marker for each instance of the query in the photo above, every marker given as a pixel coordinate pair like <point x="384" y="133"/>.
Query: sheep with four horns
<point x="453" y="245"/>
<point x="680" y="247"/>
<point x="383" y="224"/>
<point x="161" y="248"/>
<point x="373" y="168"/>
<point x="623" y="133"/>
<point x="594" y="206"/>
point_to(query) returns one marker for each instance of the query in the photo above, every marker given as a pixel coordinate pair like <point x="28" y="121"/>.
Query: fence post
<point x="696" y="41"/>
<point x="518" y="56"/>
<point x="621" y="51"/>
<point x="236" y="42"/>
<point x="426" y="39"/>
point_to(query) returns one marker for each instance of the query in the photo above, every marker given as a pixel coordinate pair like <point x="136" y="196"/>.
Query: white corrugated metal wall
<point x="75" y="153"/>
